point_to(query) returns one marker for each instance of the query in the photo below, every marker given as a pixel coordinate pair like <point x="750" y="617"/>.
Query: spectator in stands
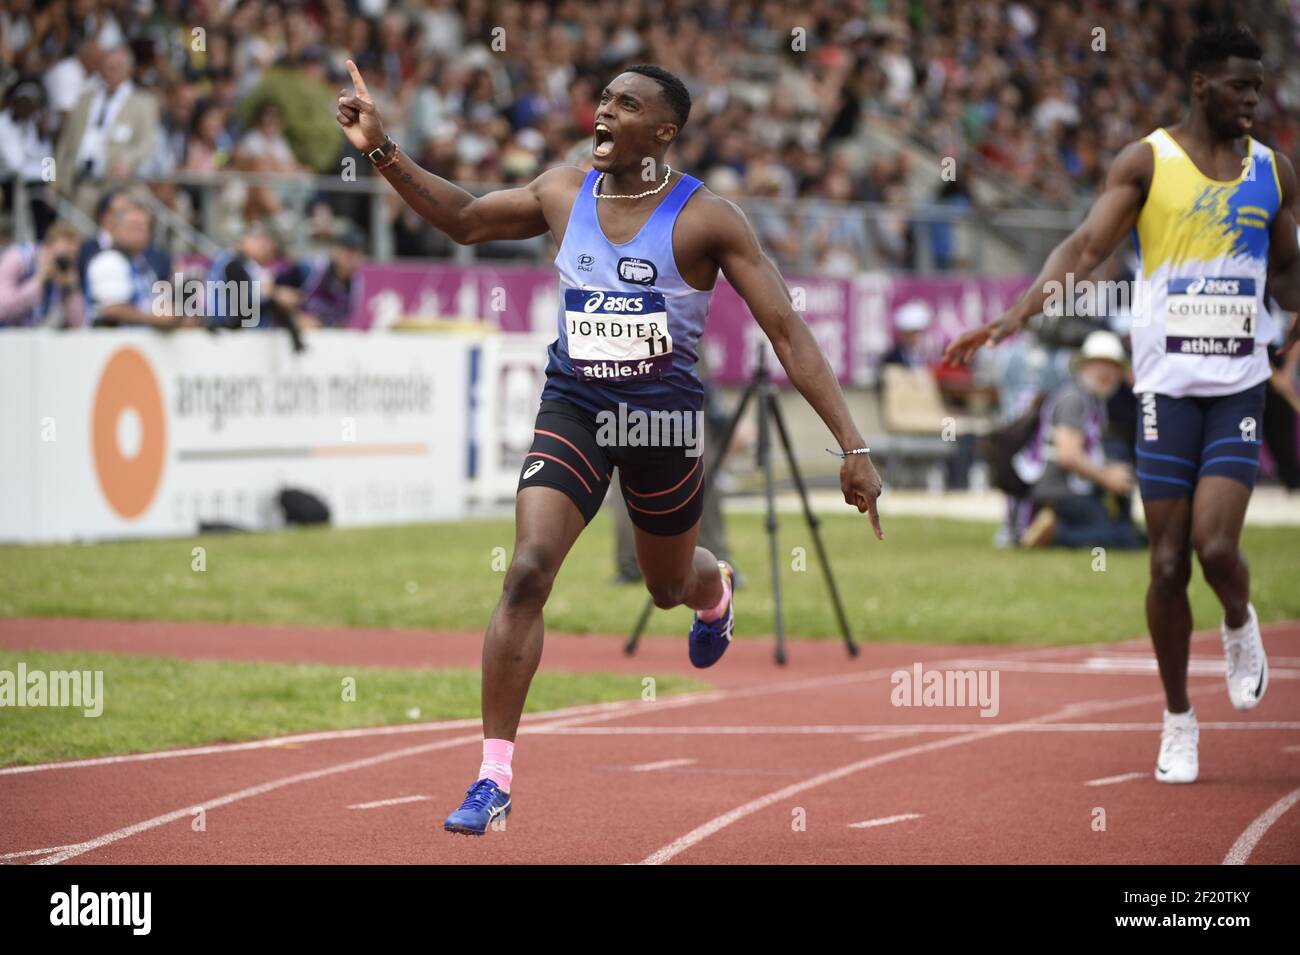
<point x="109" y="134"/>
<point x="109" y="203"/>
<point x="39" y="285"/>
<point x="120" y="279"/>
<point x="66" y="80"/>
<point x="1015" y="89"/>
<point x="910" y="323"/>
<point x="174" y="132"/>
<point x="265" y="149"/>
<point x="264" y="146"/>
<point x="953" y="194"/>
<point x="209" y="147"/>
<point x="1065" y="462"/>
<point x="838" y="234"/>
<point x="250" y="268"/>
<point x="322" y="286"/>
<point x="25" y="148"/>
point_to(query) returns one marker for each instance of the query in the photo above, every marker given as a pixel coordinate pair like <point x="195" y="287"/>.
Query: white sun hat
<point x="913" y="317"/>
<point x="1103" y="346"/>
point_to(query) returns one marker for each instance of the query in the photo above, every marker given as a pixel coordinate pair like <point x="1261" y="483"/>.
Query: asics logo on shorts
<point x="533" y="469"/>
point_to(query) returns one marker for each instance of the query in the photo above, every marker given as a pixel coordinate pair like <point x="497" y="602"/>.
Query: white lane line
<point x="662" y="764"/>
<point x="884" y="730"/>
<point x="274" y="742"/>
<point x="597" y="711"/>
<point x="718" y="823"/>
<point x="389" y="802"/>
<point x="33" y="852"/>
<point x="888" y="820"/>
<point x="1112" y="666"/>
<point x="1111" y="780"/>
<point x="1291" y="749"/>
<point x="545" y="722"/>
<point x="116" y="835"/>
<point x="1246" y="842"/>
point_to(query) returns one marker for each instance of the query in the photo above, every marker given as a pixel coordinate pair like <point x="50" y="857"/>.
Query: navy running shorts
<point x="1181" y="440"/>
<point x="574" y="452"/>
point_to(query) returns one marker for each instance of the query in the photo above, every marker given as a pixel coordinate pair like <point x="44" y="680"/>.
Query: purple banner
<point x="508" y="299"/>
<point x="853" y="320"/>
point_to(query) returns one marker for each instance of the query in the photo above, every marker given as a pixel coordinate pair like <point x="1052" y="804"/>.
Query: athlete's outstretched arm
<point x="1284" y="250"/>
<point x="1111" y="217"/>
<point x="465" y="219"/>
<point x="756" y="278"/>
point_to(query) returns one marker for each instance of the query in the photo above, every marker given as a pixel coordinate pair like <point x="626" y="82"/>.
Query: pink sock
<point x="708" y="616"/>
<point x="497" y="754"/>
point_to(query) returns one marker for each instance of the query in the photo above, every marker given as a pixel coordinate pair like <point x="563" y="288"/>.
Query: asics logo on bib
<point x="1210" y="316"/>
<point x="600" y="302"/>
<point x="621" y="337"/>
<point x="1216" y="286"/>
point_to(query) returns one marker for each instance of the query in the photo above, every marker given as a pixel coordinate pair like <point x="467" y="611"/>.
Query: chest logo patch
<point x="637" y="271"/>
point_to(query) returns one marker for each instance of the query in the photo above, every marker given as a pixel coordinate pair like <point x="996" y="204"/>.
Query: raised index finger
<point x="357" y="82"/>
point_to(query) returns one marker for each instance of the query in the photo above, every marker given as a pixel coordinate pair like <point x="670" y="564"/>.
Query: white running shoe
<point x="1177" y="762"/>
<point x="1247" y="665"/>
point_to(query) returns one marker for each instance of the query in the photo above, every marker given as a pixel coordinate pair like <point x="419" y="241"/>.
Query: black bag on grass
<point x="302" y="507"/>
<point x="1002" y="444"/>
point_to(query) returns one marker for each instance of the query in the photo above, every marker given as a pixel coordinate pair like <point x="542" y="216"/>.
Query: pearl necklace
<point x="595" y="187"/>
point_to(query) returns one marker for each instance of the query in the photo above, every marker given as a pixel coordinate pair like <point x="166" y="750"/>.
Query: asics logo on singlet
<point x="599" y="301"/>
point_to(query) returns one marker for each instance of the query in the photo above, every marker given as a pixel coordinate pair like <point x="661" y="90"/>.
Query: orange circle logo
<point x="128" y="387"/>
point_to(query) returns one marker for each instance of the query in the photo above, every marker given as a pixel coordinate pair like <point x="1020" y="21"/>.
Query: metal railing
<point x="865" y="235"/>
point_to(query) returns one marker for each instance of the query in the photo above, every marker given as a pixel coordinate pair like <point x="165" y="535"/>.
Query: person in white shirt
<point x="120" y="280"/>
<point x="109" y="134"/>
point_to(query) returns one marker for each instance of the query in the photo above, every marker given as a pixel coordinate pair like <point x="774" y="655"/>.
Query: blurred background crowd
<point x="839" y="101"/>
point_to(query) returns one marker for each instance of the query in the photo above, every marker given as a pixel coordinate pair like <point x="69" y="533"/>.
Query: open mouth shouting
<point x="602" y="141"/>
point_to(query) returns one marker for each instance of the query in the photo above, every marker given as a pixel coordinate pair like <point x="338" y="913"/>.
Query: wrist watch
<point x="383" y="151"/>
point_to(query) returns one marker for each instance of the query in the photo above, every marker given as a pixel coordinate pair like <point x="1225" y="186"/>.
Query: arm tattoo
<point x="417" y="188"/>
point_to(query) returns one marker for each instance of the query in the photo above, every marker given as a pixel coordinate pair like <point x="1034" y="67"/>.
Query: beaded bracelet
<point x="845" y="454"/>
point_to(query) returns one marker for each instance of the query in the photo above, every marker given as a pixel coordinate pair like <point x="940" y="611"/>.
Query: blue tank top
<point x="628" y="323"/>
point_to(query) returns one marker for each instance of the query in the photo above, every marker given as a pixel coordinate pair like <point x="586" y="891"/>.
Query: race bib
<point x="1205" y="316"/>
<point x="617" y="336"/>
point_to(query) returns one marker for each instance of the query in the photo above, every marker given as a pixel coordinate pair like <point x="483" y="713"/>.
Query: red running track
<point x="809" y="763"/>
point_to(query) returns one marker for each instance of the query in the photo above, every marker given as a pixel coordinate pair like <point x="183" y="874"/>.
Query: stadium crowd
<point x="1031" y="95"/>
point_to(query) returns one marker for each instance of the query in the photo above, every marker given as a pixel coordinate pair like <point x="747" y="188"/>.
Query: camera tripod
<point x="769" y="413"/>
